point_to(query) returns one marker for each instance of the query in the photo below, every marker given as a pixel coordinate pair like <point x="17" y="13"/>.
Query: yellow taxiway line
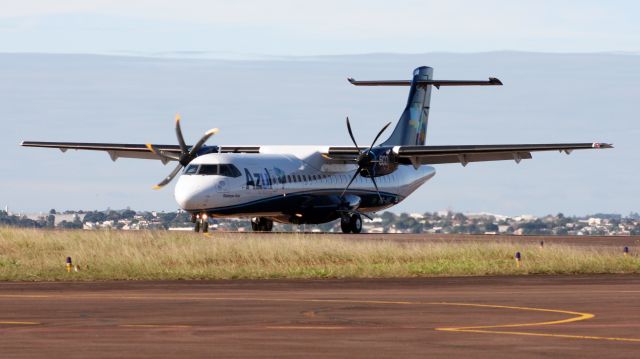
<point x="485" y="329"/>
<point x="491" y="329"/>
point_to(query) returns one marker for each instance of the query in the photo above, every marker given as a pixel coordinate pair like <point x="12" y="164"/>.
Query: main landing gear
<point x="201" y="223"/>
<point x="351" y="223"/>
<point x="261" y="224"/>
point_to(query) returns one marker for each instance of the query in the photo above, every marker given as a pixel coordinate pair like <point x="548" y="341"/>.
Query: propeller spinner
<point x="187" y="154"/>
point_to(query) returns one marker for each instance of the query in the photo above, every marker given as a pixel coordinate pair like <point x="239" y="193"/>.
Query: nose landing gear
<point x="351" y="223"/>
<point x="201" y="223"/>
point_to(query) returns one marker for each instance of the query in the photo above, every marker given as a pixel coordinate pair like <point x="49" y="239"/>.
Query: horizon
<point x="374" y="214"/>
<point x="195" y="55"/>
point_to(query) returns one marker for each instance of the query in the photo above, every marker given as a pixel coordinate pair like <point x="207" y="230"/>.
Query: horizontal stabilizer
<point x="437" y="83"/>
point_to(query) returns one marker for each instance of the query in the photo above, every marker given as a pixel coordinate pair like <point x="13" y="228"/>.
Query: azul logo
<point x="265" y="179"/>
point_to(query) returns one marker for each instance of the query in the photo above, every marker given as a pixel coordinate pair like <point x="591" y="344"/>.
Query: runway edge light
<point x="625" y="250"/>
<point x="69" y="265"/>
<point x="518" y="259"/>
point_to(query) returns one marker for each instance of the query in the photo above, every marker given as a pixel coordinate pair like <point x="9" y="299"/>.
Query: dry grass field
<point x="39" y="255"/>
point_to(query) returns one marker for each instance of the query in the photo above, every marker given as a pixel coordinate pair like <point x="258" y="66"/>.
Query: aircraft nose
<point x="189" y="196"/>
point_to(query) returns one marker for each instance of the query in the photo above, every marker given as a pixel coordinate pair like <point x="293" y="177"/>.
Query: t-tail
<point x="411" y="129"/>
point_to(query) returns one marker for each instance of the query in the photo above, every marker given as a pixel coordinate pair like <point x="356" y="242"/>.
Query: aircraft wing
<point x="429" y="155"/>
<point x="133" y="150"/>
<point x="115" y="150"/>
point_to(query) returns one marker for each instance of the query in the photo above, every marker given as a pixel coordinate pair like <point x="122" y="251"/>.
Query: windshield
<point x="208" y="170"/>
<point x="225" y="170"/>
<point x="191" y="170"/>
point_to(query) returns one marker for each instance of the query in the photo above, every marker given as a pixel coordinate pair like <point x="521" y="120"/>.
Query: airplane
<point x="316" y="184"/>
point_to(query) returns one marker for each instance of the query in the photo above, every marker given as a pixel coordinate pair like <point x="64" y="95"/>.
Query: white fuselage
<point x="280" y="171"/>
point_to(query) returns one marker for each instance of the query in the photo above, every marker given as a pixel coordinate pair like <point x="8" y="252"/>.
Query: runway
<point x="487" y="317"/>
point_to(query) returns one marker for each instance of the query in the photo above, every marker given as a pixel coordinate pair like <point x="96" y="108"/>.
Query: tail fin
<point x="412" y="126"/>
<point x="411" y="129"/>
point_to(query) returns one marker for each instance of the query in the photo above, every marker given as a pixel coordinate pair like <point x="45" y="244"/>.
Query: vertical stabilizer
<point x="412" y="126"/>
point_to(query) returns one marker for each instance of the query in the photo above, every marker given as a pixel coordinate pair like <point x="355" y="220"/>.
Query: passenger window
<point x="299" y="179"/>
<point x="191" y="169"/>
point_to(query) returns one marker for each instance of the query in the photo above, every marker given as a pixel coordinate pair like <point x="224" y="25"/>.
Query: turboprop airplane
<point x="316" y="184"/>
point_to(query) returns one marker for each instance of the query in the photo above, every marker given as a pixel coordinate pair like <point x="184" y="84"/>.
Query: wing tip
<point x="495" y="81"/>
<point x="602" y="145"/>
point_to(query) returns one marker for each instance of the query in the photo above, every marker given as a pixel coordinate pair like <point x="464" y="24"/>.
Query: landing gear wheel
<point x="356" y="223"/>
<point x="345" y="224"/>
<point x="196" y="228"/>
<point x="268" y="225"/>
<point x="205" y="226"/>
<point x="261" y="224"/>
<point x="351" y="224"/>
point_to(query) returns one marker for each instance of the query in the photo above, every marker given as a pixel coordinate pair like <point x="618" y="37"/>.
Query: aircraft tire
<point x="268" y="225"/>
<point x="196" y="227"/>
<point x="205" y="226"/>
<point x="356" y="223"/>
<point x="345" y="225"/>
<point x="261" y="224"/>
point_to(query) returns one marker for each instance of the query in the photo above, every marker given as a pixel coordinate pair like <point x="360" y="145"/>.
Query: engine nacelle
<point x="384" y="162"/>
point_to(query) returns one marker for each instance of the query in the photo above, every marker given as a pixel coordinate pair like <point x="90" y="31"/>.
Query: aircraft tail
<point x="411" y="129"/>
<point x="412" y="126"/>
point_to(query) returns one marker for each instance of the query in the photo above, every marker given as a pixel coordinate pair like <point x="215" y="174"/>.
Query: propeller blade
<point x="204" y="139"/>
<point x="373" y="179"/>
<point x="378" y="136"/>
<point x="166" y="157"/>
<point x="168" y="179"/>
<point x="183" y="145"/>
<point x="351" y="133"/>
<point x="352" y="178"/>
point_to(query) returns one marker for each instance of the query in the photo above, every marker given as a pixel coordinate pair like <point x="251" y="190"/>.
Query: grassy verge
<point x="33" y="255"/>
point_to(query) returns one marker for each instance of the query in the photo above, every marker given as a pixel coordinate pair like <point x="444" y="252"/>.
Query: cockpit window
<point x="208" y="170"/>
<point x="226" y="170"/>
<point x="229" y="171"/>
<point x="191" y="170"/>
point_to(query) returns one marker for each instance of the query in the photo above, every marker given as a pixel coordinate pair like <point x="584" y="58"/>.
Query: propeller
<point x="365" y="160"/>
<point x="186" y="154"/>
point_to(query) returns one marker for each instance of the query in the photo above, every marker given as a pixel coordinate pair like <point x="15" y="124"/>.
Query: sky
<point x="202" y="53"/>
<point x="250" y="28"/>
